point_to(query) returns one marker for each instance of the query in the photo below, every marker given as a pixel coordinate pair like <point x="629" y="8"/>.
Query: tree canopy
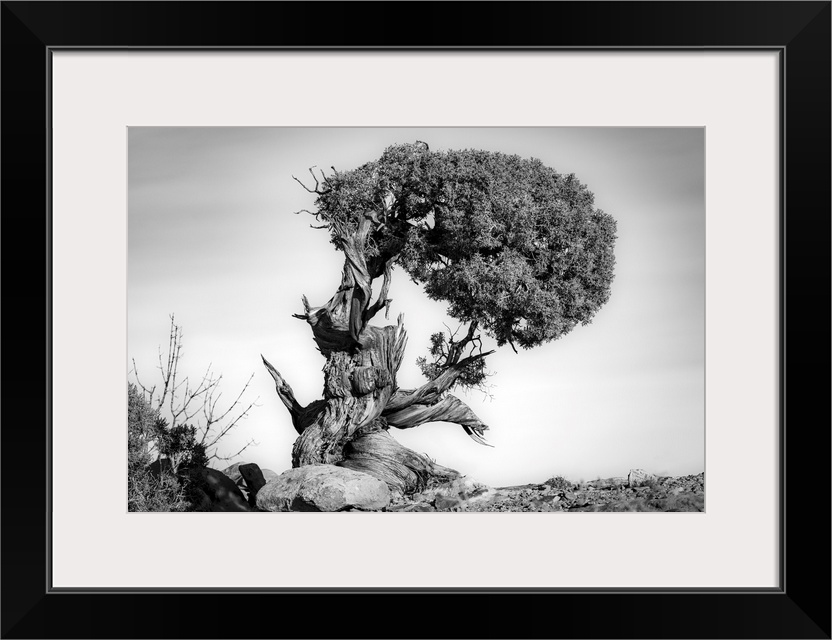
<point x="511" y="245"/>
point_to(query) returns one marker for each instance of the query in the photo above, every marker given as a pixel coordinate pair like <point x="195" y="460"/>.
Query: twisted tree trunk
<point x="350" y="425"/>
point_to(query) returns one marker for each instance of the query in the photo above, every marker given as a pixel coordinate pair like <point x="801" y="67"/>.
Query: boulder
<point x="200" y="500"/>
<point x="253" y="477"/>
<point x="323" y="487"/>
<point x="223" y="493"/>
<point x="268" y="475"/>
<point x="639" y="477"/>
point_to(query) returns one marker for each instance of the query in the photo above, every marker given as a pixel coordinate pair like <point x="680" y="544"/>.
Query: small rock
<point x="446" y="502"/>
<point x="420" y="507"/>
<point x="406" y="507"/>
<point x="639" y="477"/>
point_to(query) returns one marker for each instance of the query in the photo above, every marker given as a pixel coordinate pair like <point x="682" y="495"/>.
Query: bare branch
<point x="228" y="427"/>
<point x="180" y="410"/>
<point x="215" y="456"/>
<point x="183" y="402"/>
<point x="306" y="309"/>
<point x="286" y="395"/>
<point x="317" y="184"/>
<point x="147" y="392"/>
<point x="233" y="404"/>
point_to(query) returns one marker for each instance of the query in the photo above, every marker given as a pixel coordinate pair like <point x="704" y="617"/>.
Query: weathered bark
<point x="405" y="471"/>
<point x="361" y="400"/>
<point x="448" y="409"/>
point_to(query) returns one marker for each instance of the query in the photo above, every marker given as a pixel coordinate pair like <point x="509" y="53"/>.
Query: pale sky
<point x="213" y="239"/>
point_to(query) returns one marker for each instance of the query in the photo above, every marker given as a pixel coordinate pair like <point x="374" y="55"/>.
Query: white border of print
<point x="96" y="95"/>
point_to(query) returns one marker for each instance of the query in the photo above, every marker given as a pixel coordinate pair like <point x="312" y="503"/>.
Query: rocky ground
<point x="245" y="487"/>
<point x="637" y="492"/>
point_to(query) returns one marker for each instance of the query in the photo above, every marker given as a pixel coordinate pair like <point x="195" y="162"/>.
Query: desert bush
<point x="147" y="491"/>
<point x="685" y="502"/>
<point x="162" y="489"/>
<point x="141" y="420"/>
<point x="558" y="482"/>
<point x="179" y="423"/>
<point x="654" y="483"/>
<point x="180" y="445"/>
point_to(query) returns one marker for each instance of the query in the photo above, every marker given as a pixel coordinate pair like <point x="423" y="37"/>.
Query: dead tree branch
<point x="285" y="393"/>
<point x="180" y="402"/>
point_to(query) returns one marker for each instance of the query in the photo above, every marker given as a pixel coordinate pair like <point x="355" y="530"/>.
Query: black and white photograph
<point x="501" y="319"/>
<point x="433" y="286"/>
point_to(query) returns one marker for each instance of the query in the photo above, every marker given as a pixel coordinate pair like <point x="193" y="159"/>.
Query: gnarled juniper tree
<point x="516" y="250"/>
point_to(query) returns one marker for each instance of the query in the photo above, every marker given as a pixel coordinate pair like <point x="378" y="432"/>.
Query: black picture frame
<point x="799" y="608"/>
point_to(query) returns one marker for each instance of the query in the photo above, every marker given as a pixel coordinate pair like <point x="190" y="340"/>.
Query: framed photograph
<point x="655" y="177"/>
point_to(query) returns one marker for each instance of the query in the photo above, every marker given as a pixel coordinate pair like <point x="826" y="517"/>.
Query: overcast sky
<point x="213" y="238"/>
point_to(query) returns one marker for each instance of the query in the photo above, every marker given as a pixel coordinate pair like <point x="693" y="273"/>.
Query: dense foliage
<point x="158" y="487"/>
<point x="180" y="444"/>
<point x="148" y="489"/>
<point x="507" y="242"/>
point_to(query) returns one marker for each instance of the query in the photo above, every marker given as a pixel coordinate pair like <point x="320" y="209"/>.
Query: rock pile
<point x="250" y="478"/>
